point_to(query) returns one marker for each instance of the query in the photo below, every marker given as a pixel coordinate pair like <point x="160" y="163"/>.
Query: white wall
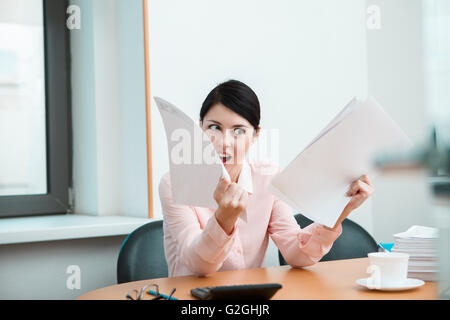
<point x="304" y="59"/>
<point x="38" y="270"/>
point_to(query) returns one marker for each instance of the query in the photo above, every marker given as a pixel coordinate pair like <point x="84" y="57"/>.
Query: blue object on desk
<point x="386" y="246"/>
<point x="161" y="294"/>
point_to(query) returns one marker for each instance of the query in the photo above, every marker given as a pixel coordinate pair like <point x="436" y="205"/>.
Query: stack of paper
<point x="421" y="245"/>
<point x="316" y="181"/>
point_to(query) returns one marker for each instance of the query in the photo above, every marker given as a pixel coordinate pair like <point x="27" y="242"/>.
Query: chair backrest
<point x="142" y="254"/>
<point x="354" y="241"/>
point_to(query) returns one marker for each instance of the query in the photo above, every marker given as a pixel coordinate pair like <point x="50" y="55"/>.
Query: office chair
<point x="354" y="241"/>
<point x="142" y="254"/>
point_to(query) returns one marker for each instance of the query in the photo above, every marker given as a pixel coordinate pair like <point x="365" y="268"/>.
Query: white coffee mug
<point x="388" y="269"/>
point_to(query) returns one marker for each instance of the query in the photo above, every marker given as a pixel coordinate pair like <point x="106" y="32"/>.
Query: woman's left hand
<point x="360" y="190"/>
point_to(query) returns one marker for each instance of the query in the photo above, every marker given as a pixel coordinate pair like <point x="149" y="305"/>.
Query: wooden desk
<point x="324" y="280"/>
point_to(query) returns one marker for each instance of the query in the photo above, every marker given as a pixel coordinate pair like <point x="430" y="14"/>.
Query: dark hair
<point x="236" y="96"/>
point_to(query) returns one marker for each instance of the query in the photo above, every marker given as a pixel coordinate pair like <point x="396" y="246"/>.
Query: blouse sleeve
<point x="299" y="247"/>
<point x="203" y="251"/>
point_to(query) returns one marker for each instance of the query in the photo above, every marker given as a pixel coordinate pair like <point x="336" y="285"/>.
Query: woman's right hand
<point x="232" y="200"/>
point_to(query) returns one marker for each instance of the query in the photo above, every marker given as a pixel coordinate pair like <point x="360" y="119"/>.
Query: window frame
<point x="58" y="122"/>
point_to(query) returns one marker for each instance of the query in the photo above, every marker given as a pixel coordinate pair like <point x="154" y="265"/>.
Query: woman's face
<point x="231" y="134"/>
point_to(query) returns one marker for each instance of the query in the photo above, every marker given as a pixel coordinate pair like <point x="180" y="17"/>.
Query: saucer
<point x="408" y="284"/>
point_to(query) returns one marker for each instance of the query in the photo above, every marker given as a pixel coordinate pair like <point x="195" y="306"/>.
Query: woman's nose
<point x="223" y="142"/>
<point x="227" y="138"/>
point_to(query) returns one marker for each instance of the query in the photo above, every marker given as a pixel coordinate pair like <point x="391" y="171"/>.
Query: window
<point x="35" y="130"/>
<point x="437" y="73"/>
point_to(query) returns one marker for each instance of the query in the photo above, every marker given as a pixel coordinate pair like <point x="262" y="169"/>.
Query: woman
<point x="201" y="241"/>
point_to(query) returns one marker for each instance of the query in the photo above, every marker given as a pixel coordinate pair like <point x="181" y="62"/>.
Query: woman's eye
<point x="239" y="131"/>
<point x="214" y="127"/>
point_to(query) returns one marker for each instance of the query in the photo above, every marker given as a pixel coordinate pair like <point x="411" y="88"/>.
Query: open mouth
<point x="225" y="159"/>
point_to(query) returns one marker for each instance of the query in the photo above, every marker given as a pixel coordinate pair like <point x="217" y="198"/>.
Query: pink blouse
<point x="195" y="244"/>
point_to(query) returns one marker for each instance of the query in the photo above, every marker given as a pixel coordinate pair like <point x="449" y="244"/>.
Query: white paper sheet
<point x="316" y="181"/>
<point x="193" y="175"/>
<point x="419" y="232"/>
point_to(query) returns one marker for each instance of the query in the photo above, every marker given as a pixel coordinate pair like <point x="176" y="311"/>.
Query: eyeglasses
<point x="135" y="294"/>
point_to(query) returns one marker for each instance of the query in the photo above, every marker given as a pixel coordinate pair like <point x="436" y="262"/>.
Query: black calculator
<point x="263" y="291"/>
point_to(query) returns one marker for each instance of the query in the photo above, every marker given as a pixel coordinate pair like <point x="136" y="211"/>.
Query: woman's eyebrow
<point x="240" y="126"/>
<point x="214" y="121"/>
<point x="235" y="126"/>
